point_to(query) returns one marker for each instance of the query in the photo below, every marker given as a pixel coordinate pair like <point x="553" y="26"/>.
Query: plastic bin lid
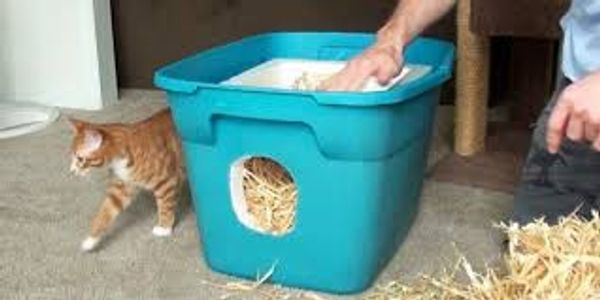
<point x="428" y="60"/>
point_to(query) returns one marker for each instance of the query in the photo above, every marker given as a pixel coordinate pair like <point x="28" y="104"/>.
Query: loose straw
<point x="543" y="262"/>
<point x="271" y="195"/>
<point x="310" y="81"/>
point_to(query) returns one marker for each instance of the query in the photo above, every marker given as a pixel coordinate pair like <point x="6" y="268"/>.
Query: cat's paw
<point x="162" y="231"/>
<point x="89" y="244"/>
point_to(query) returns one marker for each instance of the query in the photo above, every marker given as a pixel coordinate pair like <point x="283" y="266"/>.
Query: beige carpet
<point x="44" y="215"/>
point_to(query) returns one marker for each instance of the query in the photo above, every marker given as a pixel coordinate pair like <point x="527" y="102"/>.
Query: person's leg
<point x="555" y="185"/>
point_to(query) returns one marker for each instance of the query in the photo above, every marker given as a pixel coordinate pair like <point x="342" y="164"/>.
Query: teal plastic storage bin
<point x="358" y="159"/>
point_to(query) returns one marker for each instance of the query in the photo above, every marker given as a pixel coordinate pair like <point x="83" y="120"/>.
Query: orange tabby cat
<point x="145" y="154"/>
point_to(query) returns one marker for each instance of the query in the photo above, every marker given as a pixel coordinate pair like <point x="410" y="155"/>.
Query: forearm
<point x="384" y="59"/>
<point x="410" y="18"/>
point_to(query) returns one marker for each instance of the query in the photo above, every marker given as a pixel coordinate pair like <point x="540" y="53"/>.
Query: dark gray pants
<point x="555" y="185"/>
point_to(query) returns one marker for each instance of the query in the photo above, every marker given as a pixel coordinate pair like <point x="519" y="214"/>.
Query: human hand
<point x="383" y="60"/>
<point x="576" y="114"/>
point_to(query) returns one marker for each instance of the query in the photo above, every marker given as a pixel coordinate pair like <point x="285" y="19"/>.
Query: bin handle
<point x="283" y="107"/>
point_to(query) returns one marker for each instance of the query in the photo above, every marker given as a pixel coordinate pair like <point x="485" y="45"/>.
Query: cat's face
<point x="87" y="148"/>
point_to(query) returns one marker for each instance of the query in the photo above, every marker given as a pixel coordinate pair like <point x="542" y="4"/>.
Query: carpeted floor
<point x="45" y="213"/>
<point x="501" y="162"/>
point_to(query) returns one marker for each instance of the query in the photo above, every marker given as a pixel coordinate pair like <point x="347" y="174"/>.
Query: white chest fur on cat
<point x="120" y="169"/>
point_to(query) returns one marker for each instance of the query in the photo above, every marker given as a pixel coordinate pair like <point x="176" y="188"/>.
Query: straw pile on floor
<point x="271" y="195"/>
<point x="245" y="290"/>
<point x="543" y="262"/>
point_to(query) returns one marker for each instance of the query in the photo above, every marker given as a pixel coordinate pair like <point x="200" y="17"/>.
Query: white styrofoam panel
<point x="282" y="73"/>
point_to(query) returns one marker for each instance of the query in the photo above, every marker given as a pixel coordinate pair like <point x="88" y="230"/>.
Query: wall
<point x="57" y="53"/>
<point x="151" y="33"/>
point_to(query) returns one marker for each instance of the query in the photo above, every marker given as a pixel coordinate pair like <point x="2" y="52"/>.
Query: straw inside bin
<point x="265" y="199"/>
<point x="310" y="81"/>
<point x="270" y="195"/>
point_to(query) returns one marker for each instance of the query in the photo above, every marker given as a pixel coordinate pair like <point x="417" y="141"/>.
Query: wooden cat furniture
<point x="479" y="20"/>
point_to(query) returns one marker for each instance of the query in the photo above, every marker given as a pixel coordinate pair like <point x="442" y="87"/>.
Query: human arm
<point x="576" y="114"/>
<point x="384" y="59"/>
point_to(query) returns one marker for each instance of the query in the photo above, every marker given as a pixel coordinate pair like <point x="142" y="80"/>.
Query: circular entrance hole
<point x="264" y="195"/>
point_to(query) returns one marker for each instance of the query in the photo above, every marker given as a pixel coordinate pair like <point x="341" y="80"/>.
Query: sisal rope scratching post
<point x="471" y="85"/>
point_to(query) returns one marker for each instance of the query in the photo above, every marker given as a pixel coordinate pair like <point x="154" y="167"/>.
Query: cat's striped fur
<point x="145" y="154"/>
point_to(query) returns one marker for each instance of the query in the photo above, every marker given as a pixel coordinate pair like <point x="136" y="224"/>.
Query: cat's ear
<point x="92" y="140"/>
<point x="76" y="125"/>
